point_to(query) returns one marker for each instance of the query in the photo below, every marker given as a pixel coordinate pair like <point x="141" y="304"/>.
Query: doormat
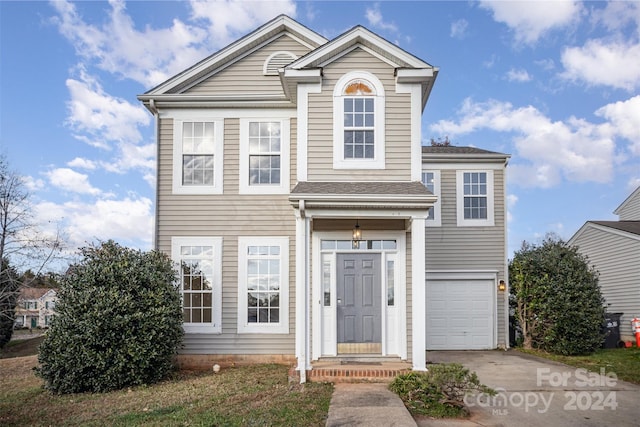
<point x="350" y="362"/>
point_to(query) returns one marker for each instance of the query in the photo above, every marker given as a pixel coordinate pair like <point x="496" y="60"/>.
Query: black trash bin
<point x="611" y="328"/>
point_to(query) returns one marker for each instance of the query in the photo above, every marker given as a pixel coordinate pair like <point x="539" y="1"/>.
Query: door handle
<point x="339" y="301"/>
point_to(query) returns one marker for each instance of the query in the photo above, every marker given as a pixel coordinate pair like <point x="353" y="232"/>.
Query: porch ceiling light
<point x="356" y="236"/>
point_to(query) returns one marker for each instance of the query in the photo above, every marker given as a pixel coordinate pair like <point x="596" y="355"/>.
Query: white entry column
<point x="418" y="294"/>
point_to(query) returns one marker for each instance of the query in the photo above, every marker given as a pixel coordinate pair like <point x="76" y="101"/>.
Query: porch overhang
<point x="377" y="196"/>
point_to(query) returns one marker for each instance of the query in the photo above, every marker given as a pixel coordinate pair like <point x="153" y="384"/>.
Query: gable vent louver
<point x="277" y="61"/>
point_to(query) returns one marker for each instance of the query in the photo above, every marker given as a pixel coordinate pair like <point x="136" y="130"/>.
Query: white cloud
<point x="230" y="19"/>
<point x="132" y="156"/>
<point x="33" y="184"/>
<point x="530" y="20"/>
<point x="521" y="76"/>
<point x="616" y="15"/>
<point x="624" y="117"/>
<point x="375" y="19"/>
<point x="575" y="149"/>
<point x="615" y="64"/>
<point x="100" y="116"/>
<point x="128" y="221"/>
<point x="149" y="56"/>
<point x="459" y="29"/>
<point x="72" y="181"/>
<point x="81" y="163"/>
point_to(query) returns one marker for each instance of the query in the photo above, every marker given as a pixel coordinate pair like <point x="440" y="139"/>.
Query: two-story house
<point x="309" y="220"/>
<point x="35" y="307"/>
<point x="613" y="249"/>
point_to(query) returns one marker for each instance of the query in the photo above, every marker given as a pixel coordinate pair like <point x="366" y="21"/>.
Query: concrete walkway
<point x="535" y="392"/>
<point x="532" y="392"/>
<point x="367" y="404"/>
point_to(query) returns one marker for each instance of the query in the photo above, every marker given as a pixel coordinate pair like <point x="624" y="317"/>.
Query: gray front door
<point x="359" y="309"/>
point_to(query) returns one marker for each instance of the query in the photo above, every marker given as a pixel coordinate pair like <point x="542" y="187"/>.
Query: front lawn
<point x="243" y="396"/>
<point x="624" y="362"/>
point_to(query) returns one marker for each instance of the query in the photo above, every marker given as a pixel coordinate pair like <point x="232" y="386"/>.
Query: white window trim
<point x="244" y="327"/>
<point x="285" y="148"/>
<point x="215" y="327"/>
<point x="339" y="162"/>
<point x="462" y="222"/>
<point x="218" y="158"/>
<point x="437" y="211"/>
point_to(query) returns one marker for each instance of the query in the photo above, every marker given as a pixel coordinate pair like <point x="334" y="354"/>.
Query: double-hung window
<point x="475" y="198"/>
<point x="264" y="156"/>
<point x="358" y="114"/>
<point x="197" y="156"/>
<point x="431" y="180"/>
<point x="263" y="284"/>
<point x="200" y="281"/>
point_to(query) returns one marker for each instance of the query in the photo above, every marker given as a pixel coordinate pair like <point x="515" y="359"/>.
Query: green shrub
<point x="9" y="290"/>
<point x="557" y="298"/>
<point x="118" y="322"/>
<point x="438" y="393"/>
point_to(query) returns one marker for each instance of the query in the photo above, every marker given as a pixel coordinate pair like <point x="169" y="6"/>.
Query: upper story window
<point x="197" y="156"/>
<point x="264" y="156"/>
<point x="431" y="180"/>
<point x="358" y="114"/>
<point x="475" y="198"/>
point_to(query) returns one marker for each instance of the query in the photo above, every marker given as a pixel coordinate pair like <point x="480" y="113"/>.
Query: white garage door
<point x="460" y="314"/>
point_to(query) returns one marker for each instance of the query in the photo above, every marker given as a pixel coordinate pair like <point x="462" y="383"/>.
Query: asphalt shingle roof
<point x="451" y="149"/>
<point x="362" y="188"/>
<point x="628" y="226"/>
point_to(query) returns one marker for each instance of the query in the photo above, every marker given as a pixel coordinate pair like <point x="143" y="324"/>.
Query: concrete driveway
<point x="538" y="392"/>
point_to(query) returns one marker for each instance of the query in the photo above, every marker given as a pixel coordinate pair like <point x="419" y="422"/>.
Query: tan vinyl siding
<point x="617" y="258"/>
<point x="454" y="248"/>
<point x="398" y="124"/>
<point x="228" y="216"/>
<point x="246" y="75"/>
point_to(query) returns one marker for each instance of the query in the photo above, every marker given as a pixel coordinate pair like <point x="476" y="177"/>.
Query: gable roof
<point x="628" y="200"/>
<point x="408" y="68"/>
<point x="34" y="293"/>
<point x="630" y="229"/>
<point x="277" y="26"/>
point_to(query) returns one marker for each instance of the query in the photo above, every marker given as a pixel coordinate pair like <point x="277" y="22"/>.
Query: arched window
<point x="359" y="122"/>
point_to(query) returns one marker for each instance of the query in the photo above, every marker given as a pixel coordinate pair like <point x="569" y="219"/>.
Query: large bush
<point x="557" y="298"/>
<point x="9" y="290"/>
<point x="118" y="322"/>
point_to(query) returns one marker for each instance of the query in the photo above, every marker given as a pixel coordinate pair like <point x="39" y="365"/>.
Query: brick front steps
<point x="347" y="370"/>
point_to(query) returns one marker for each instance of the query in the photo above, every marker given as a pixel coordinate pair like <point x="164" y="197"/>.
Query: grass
<point x="20" y="348"/>
<point x="258" y="395"/>
<point x="624" y="362"/>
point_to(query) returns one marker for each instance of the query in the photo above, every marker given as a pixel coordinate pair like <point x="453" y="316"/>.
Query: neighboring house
<point x="309" y="220"/>
<point x="613" y="248"/>
<point x="35" y="307"/>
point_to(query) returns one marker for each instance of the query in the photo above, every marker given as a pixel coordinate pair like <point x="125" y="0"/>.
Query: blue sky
<point x="554" y="84"/>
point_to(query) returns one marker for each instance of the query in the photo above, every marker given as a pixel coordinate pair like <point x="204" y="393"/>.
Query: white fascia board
<point x="627" y="200"/>
<point x="378" y="213"/>
<point x="413" y="75"/>
<point x="366" y="37"/>
<point x="238" y="46"/>
<point x="603" y="229"/>
<point x="469" y="165"/>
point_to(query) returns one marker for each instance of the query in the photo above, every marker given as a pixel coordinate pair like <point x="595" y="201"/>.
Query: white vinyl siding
<point x="263" y="285"/>
<point x="616" y="256"/>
